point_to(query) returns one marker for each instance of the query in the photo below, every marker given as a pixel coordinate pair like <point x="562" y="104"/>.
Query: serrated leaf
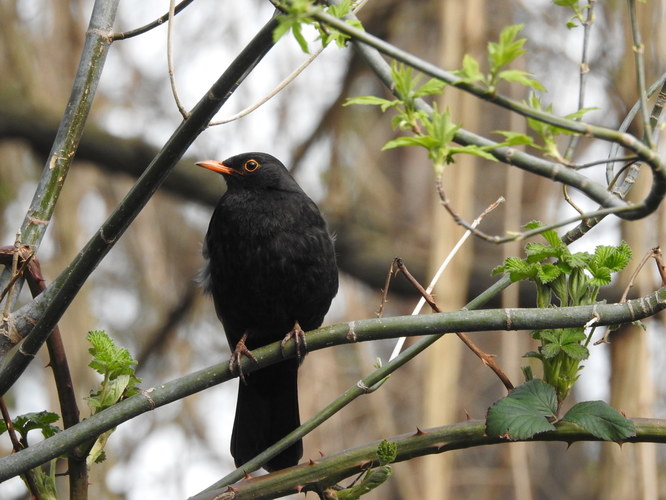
<point x="517" y="269"/>
<point x="576" y="351"/>
<point x="571" y="335"/>
<point x="538" y="251"/>
<point x="524" y="412"/>
<point x="34" y="421"/>
<point x="601" y="420"/>
<point x="548" y="272"/>
<point x="578" y="259"/>
<point x="614" y="258"/>
<point x="549" y="351"/>
<point x="552" y="238"/>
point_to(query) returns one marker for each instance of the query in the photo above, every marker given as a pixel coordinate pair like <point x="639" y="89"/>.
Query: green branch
<point x="433" y="325"/>
<point x="328" y="471"/>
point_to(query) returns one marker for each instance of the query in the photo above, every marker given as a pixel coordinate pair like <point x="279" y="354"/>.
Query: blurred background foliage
<point x="380" y="204"/>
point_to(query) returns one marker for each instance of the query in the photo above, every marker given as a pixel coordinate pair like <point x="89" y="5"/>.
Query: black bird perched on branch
<point x="272" y="273"/>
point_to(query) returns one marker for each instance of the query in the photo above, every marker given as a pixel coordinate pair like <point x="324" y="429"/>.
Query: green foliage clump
<point x="116" y="365"/>
<point x="298" y="13"/>
<point x="562" y="278"/>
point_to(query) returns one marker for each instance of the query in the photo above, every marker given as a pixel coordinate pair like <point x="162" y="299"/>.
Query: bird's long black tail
<point x="266" y="411"/>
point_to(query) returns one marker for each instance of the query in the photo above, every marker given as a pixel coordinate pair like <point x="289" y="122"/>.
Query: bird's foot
<point x="235" y="361"/>
<point x="298" y="335"/>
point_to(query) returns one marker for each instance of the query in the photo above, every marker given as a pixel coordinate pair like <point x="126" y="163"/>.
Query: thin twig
<point x="442" y="267"/>
<point x="392" y="271"/>
<point x="154" y="24"/>
<point x="290" y="78"/>
<point x="486" y="359"/>
<point x="652" y="254"/>
<point x="459" y="220"/>
<point x="17" y="446"/>
<point x="584" y="70"/>
<point x="172" y="73"/>
<point x="639" y="50"/>
<point x="30" y="269"/>
<point x="568" y="199"/>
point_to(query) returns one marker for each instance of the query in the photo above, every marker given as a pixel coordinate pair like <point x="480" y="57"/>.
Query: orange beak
<point x="216" y="166"/>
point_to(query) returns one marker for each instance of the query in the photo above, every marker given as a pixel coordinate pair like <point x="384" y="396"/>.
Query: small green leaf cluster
<point x="298" y="13"/>
<point x="570" y="279"/>
<point x="433" y="131"/>
<point x="549" y="133"/>
<point x="500" y="54"/>
<point x="42" y="421"/>
<point x="578" y="16"/>
<point x="532" y="409"/>
<point x="116" y="365"/>
<point x="386" y="454"/>
<point x="27" y="422"/>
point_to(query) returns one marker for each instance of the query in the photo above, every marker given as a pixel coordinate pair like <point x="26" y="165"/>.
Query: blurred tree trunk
<point x="631" y="472"/>
<point x="462" y="31"/>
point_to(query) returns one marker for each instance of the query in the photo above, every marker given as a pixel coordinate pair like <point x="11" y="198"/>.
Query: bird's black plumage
<point x="270" y="266"/>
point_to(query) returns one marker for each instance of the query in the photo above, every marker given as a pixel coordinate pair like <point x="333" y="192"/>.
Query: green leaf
<point x="107" y="358"/>
<point x="566" y="3"/>
<point x="538" y="252"/>
<point x="507" y="49"/>
<point x="474" y="151"/>
<point x="514" y="138"/>
<point x="525" y="412"/>
<point x="371" y="100"/>
<point x="614" y="258"/>
<point x="418" y="140"/>
<point x="432" y="86"/>
<point x="470" y="72"/>
<point x="576" y="351"/>
<point x="601" y="420"/>
<point x="34" y="421"/>
<point x="548" y="272"/>
<point x="522" y="77"/>
<point x="516" y="268"/>
<point x="580" y="113"/>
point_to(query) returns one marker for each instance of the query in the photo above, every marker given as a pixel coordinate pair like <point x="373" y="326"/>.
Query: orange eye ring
<point x="251" y="165"/>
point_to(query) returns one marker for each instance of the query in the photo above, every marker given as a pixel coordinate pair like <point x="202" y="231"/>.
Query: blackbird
<point x="271" y="270"/>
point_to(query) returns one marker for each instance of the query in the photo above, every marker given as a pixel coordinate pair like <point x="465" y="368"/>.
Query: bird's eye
<point x="251" y="165"/>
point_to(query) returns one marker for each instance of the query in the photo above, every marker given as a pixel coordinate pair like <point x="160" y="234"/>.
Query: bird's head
<point x="252" y="171"/>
